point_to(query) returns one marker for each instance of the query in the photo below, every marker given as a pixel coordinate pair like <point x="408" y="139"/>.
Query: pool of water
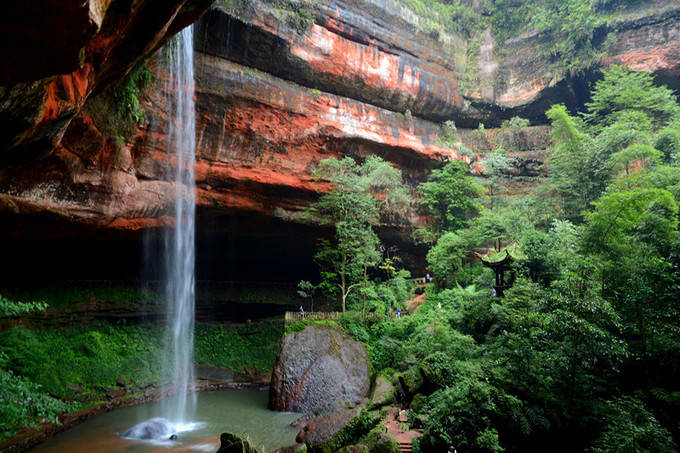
<point x="236" y="411"/>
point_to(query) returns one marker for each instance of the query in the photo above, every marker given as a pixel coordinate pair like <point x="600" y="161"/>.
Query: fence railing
<point x="292" y="316"/>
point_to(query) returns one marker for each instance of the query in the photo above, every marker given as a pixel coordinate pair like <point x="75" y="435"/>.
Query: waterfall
<point x="179" y="250"/>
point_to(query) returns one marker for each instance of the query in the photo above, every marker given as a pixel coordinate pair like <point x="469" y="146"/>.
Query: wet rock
<point x="318" y="370"/>
<point x="231" y="443"/>
<point x="154" y="429"/>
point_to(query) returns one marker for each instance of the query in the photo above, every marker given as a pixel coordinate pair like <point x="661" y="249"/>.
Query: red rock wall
<point x="272" y="101"/>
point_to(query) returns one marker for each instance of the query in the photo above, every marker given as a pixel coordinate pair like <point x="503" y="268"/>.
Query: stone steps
<point x="406" y="447"/>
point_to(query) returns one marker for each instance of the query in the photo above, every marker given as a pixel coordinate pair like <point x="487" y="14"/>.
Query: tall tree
<point x="450" y="195"/>
<point x="359" y="194"/>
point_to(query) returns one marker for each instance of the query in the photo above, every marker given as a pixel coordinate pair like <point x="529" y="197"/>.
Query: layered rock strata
<point x="276" y="93"/>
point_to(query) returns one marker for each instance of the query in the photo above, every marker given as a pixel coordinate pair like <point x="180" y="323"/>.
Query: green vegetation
<point x="567" y="29"/>
<point x="450" y="196"/>
<point x="360" y="194"/>
<point x="583" y="351"/>
<point x="358" y="427"/>
<point x="47" y="371"/>
<point x="24" y="404"/>
<point x="515" y="123"/>
<point x="96" y="356"/>
<point x="125" y="97"/>
<point x="626" y="117"/>
<point x="72" y="296"/>
<point x="240" y="348"/>
<point x="10" y="308"/>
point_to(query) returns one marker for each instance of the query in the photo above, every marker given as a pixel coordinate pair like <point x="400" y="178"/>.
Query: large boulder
<point x="318" y="370"/>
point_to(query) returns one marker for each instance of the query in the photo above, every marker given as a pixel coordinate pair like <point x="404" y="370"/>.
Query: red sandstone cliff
<point x="273" y="99"/>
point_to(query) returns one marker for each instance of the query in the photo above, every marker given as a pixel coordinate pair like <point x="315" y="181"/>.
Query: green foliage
<point x="495" y="165"/>
<point x="446" y="257"/>
<point x="622" y="90"/>
<point x="593" y="313"/>
<point x="515" y="123"/>
<point x="462" y="415"/>
<point x="450" y="196"/>
<point x="239" y="347"/>
<point x="10" y="308"/>
<point x="448" y="135"/>
<point x="451" y="16"/>
<point x="569" y="27"/>
<point x="24" y="404"/>
<point x="630" y="426"/>
<point x="96" y="356"/>
<point x="635" y="156"/>
<point x="125" y="97"/>
<point x="648" y="216"/>
<point x="571" y="169"/>
<point x="71" y="296"/>
<point x="361" y="192"/>
<point x="668" y="142"/>
<point x="85" y="361"/>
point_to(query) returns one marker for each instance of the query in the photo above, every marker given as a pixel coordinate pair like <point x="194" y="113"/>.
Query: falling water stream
<point x="179" y="254"/>
<point x="185" y="422"/>
<point x="179" y="241"/>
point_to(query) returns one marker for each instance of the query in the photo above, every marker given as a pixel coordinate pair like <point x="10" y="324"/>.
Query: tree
<point x="360" y="192"/>
<point x="643" y="156"/>
<point x="450" y="195"/>
<point x="569" y="169"/>
<point x="446" y="257"/>
<point x="622" y="90"/>
<point x="630" y="426"/>
<point x="495" y="165"/>
<point x="307" y="290"/>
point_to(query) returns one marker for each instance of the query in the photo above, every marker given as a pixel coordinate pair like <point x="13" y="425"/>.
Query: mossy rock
<point x="418" y="402"/>
<point x="231" y="443"/>
<point x="354" y="430"/>
<point x="412" y="379"/>
<point x="383" y="392"/>
<point x="380" y="441"/>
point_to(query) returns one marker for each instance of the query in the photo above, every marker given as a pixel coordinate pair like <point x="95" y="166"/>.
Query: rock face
<point x="318" y="370"/>
<point x="56" y="53"/>
<point x="276" y="93"/>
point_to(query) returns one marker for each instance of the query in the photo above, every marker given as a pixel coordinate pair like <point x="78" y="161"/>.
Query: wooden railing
<point x="292" y="316"/>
